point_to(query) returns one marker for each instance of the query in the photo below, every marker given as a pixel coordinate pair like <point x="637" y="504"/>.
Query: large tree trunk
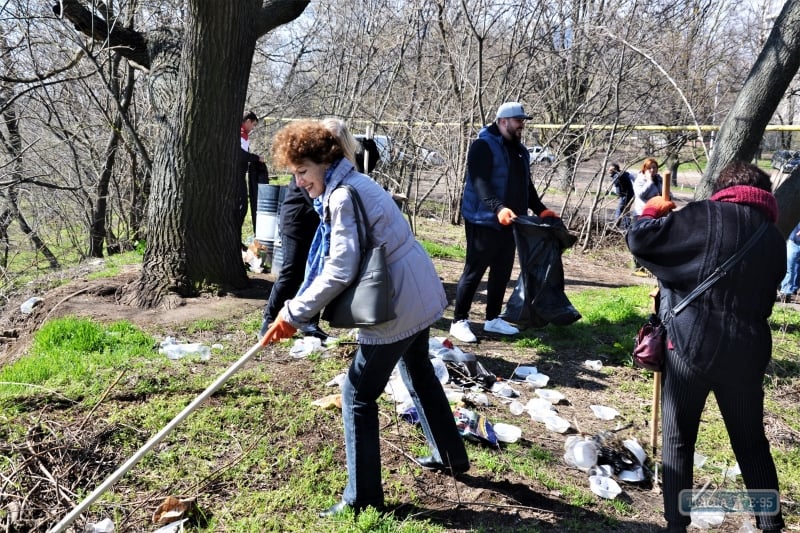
<point x="741" y="132"/>
<point x="192" y="237"/>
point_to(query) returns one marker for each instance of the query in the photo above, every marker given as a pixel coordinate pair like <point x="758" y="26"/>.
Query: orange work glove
<point x="657" y="207"/>
<point x="506" y="216"/>
<point x="280" y="329"/>
<point x="548" y="214"/>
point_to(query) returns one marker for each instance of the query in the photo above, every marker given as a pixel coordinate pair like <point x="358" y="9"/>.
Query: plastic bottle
<point x="176" y="351"/>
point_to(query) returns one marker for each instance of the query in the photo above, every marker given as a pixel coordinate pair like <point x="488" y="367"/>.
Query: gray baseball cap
<point x="512" y="110"/>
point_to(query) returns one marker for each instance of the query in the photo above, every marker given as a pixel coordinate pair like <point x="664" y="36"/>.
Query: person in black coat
<point x="721" y="342"/>
<point x="252" y="171"/>
<point x="297" y="225"/>
<point x="622" y="182"/>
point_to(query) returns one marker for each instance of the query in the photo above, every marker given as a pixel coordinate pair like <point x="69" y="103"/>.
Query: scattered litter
<point x="537" y="380"/>
<point x="440" y="369"/>
<point x="474" y="426"/>
<point x="524" y="371"/>
<point x="507" y="433"/>
<point x="476" y="399"/>
<point x="305" y="347"/>
<point x="556" y="423"/>
<point x="464" y="367"/>
<point x="605" y="487"/>
<point x="28" y="305"/>
<point x="172" y="509"/>
<point x="175" y="350"/>
<point x="604" y="413"/>
<point x="454" y="396"/>
<point x="410" y="415"/>
<point x="593" y="364"/>
<point x="337" y="381"/>
<point x="174" y="527"/>
<point x="580" y="453"/>
<point x="539" y="409"/>
<point x="217" y="346"/>
<point x="329" y="402"/>
<point x="106" y="525"/>
<point x="636" y="449"/>
<point x="732" y="472"/>
<point x="504" y="389"/>
<point x="516" y="408"/>
<point x="699" y="460"/>
<point x="601" y="470"/>
<point x="631" y="476"/>
<point x="552" y="396"/>
<point x="613" y="452"/>
<point x="706" y="517"/>
<point x="747" y="527"/>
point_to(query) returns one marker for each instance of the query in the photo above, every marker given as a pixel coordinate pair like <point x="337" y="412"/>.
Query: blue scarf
<point x="321" y="245"/>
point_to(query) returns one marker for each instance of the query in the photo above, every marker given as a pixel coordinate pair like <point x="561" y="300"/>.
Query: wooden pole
<point x="657" y="375"/>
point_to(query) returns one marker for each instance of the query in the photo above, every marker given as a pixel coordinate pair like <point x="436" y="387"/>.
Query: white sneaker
<point x="498" y="325"/>
<point x="460" y="330"/>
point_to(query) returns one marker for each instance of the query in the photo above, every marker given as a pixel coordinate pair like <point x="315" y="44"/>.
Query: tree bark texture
<point x="741" y="131"/>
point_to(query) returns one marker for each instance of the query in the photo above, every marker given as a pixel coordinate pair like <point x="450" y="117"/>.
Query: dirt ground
<point x="504" y="499"/>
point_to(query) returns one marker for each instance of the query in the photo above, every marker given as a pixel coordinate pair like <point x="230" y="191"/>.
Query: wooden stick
<point x="657" y="375"/>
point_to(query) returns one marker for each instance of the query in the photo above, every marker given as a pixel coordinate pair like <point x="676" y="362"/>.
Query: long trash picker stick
<point x="155" y="439"/>
<point x="657" y="375"/>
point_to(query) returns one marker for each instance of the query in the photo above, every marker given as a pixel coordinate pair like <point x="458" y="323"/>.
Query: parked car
<point x="540" y="154"/>
<point x="782" y="156"/>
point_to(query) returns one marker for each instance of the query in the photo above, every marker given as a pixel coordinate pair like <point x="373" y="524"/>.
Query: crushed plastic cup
<point x="552" y="396"/>
<point x="453" y="396"/>
<point x="699" y="460"/>
<point x="732" y="472"/>
<point x="440" y="369"/>
<point x="504" y="389"/>
<point x="604" y="413"/>
<point x="539" y="409"/>
<point x="631" y="476"/>
<point x="593" y="364"/>
<point x="633" y="446"/>
<point x="106" y="525"/>
<point x="707" y="517"/>
<point x="477" y="398"/>
<point x="523" y="372"/>
<point x="556" y="423"/>
<point x="516" y="408"/>
<point x="602" y="470"/>
<point x="305" y="347"/>
<point x="174" y="527"/>
<point x="175" y="350"/>
<point x="605" y="487"/>
<point x="28" y="305"/>
<point x="580" y="453"/>
<point x="507" y="433"/>
<point x="537" y="381"/>
<point x="747" y="527"/>
<point x="337" y="381"/>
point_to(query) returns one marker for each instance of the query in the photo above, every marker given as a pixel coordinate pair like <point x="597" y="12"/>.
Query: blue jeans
<point x="366" y="379"/>
<point x="789" y="285"/>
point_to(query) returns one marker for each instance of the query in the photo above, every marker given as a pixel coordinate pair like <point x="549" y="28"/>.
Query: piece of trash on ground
<point x="106" y="525"/>
<point x="175" y="350"/>
<point x="337" y="381"/>
<point x="516" y="407"/>
<point x="329" y="402"/>
<point x="706" y="517"/>
<point x="699" y="460"/>
<point x="507" y="433"/>
<point x="732" y="472"/>
<point x="552" y="396"/>
<point x="174" y="527"/>
<point x="593" y="364"/>
<point x="305" y="347"/>
<point x="580" y="453"/>
<point x="28" y="305"/>
<point x="522" y="372"/>
<point x="504" y="389"/>
<point x="556" y="423"/>
<point x="172" y="509"/>
<point x="604" y="413"/>
<point x="537" y="381"/>
<point x="474" y="426"/>
<point x="605" y="487"/>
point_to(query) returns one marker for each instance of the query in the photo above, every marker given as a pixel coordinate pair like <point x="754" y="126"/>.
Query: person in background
<point x="315" y="157"/>
<point x="252" y="171"/>
<point x="722" y="341"/>
<point x="498" y="188"/>
<point x="791" y="281"/>
<point x="297" y="225"/>
<point x="622" y="182"/>
<point x="648" y="184"/>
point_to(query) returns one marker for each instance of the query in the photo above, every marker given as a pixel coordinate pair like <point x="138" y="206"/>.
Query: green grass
<point x="271" y="460"/>
<point x="444" y="251"/>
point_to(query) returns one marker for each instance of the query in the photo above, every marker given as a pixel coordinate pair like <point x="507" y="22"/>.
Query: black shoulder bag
<point x="368" y="300"/>
<point x="650" y="344"/>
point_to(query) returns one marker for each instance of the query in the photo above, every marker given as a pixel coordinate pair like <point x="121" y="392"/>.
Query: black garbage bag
<point x="539" y="299"/>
